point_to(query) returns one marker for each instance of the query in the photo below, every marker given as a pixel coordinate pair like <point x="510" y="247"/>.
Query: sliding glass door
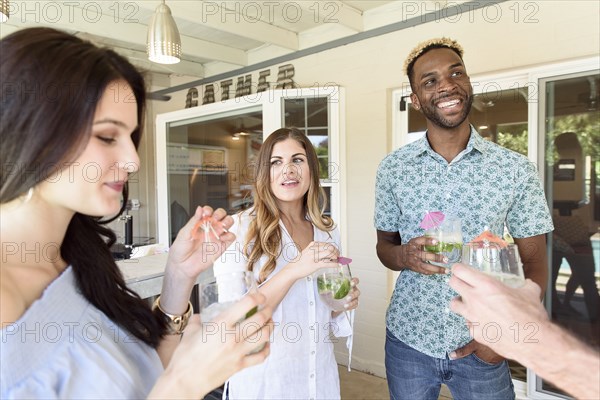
<point x="570" y="122"/>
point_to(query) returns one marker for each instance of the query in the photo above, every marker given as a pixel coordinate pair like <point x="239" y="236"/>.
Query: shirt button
<point x="312" y="303"/>
<point x="312" y="375"/>
<point x="313" y="352"/>
<point x="308" y="278"/>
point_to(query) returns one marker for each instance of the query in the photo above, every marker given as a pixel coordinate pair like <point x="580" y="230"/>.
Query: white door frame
<point x="271" y="104"/>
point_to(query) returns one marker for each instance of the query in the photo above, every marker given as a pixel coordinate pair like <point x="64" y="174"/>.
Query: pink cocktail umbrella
<point x="432" y="219"/>
<point x="344" y="260"/>
<point x="486" y="238"/>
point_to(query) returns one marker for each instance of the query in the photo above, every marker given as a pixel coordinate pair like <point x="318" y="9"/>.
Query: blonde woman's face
<point x="290" y="173"/>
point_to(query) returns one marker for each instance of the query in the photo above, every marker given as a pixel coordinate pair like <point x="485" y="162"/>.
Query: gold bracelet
<point x="175" y="323"/>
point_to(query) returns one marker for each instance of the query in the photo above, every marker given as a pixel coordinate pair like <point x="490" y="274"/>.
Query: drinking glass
<point x="218" y="293"/>
<point x="333" y="285"/>
<point x="449" y="240"/>
<point x="500" y="261"/>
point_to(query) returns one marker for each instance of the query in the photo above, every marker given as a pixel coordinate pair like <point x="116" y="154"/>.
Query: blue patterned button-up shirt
<point x="485" y="185"/>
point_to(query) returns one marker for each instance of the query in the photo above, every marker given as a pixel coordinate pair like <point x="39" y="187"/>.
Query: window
<point x="311" y="116"/>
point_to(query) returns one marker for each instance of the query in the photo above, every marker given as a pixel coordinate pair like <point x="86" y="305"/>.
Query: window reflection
<point x="499" y="116"/>
<point x="211" y="162"/>
<point x="572" y="136"/>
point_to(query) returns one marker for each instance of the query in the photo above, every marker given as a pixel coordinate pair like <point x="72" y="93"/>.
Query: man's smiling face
<point x="442" y="88"/>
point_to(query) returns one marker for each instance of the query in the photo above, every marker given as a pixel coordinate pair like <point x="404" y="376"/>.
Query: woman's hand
<point x="315" y="256"/>
<point x="195" y="249"/>
<point x="352" y="297"/>
<point x="209" y="354"/>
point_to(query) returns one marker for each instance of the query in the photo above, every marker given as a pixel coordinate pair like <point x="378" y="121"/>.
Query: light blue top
<point x="485" y="185"/>
<point x="64" y="347"/>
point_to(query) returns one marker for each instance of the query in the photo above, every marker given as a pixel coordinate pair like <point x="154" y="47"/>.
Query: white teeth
<point x="448" y="103"/>
<point x="289" y="182"/>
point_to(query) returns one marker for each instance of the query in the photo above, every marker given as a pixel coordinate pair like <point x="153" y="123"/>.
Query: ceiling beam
<point x="136" y="57"/>
<point x="140" y="60"/>
<point x="242" y="19"/>
<point x="382" y="30"/>
<point x="69" y="16"/>
<point x="330" y="12"/>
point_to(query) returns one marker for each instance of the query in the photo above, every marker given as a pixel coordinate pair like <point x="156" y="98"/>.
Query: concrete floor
<point x="357" y="385"/>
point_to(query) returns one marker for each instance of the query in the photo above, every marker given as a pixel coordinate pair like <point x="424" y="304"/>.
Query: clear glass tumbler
<point x="501" y="262"/>
<point x="218" y="293"/>
<point x="449" y="240"/>
<point x="333" y="285"/>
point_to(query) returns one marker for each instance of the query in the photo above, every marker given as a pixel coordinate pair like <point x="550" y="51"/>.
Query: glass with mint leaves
<point x="447" y="230"/>
<point x="334" y="284"/>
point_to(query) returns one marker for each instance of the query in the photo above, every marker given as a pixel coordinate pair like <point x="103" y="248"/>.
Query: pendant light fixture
<point x="164" y="42"/>
<point x="4" y="10"/>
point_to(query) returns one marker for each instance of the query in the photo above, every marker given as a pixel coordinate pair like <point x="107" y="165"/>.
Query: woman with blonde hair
<point x="283" y="239"/>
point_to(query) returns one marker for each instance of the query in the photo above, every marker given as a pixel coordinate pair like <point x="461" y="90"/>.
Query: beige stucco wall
<point x="543" y="32"/>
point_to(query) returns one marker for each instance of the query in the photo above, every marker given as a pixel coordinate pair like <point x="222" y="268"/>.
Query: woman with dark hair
<point x="284" y="238"/>
<point x="71" y="117"/>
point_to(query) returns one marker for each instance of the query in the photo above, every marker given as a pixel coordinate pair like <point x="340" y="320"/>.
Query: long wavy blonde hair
<point x="264" y="233"/>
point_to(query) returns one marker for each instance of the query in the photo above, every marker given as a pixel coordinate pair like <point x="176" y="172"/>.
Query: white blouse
<point x="301" y="364"/>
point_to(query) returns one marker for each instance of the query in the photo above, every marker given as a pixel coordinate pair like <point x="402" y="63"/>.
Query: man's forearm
<point x="386" y="251"/>
<point x="578" y="369"/>
<point x="538" y="273"/>
<point x="535" y="261"/>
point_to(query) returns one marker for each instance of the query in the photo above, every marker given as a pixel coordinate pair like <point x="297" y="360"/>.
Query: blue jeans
<point x="413" y="375"/>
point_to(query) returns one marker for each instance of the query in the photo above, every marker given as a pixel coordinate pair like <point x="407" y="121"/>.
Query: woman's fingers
<point x="355" y="292"/>
<point x="257" y="337"/>
<point x="352" y="298"/>
<point x="218" y="220"/>
<point x="324" y="251"/>
<point x="257" y="357"/>
<point x="247" y="308"/>
<point x="253" y="324"/>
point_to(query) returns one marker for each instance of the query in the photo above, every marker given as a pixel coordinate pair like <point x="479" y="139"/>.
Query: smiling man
<point x="452" y="169"/>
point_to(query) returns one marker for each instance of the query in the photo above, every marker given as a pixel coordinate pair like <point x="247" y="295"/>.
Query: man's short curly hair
<point x="424" y="47"/>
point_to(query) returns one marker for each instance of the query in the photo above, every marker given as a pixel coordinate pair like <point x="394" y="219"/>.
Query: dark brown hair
<point x="51" y="85"/>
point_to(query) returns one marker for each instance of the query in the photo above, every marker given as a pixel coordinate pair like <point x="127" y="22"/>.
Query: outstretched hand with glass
<point x="495" y="257"/>
<point x="484" y="303"/>
<point x="207" y="350"/>
<point x="523" y="331"/>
